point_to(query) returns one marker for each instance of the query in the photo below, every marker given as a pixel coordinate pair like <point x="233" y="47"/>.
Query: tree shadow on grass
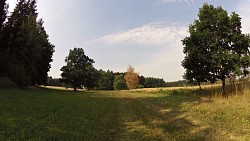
<point x="44" y="114"/>
<point x="163" y="117"/>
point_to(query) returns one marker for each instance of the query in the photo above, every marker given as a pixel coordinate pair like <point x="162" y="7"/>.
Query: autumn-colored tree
<point x="131" y="77"/>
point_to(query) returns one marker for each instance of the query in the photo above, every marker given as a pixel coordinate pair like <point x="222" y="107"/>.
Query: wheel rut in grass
<point x="139" y="119"/>
<point x="153" y="118"/>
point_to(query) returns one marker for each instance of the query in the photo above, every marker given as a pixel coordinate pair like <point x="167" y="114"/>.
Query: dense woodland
<point x="25" y="50"/>
<point x="109" y="80"/>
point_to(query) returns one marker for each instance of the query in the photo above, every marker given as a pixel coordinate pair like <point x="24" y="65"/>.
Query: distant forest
<point x="107" y="80"/>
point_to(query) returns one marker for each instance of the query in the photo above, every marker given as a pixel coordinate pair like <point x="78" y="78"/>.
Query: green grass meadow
<point x="50" y="114"/>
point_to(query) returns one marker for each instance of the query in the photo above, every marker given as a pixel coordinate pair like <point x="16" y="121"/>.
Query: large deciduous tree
<point x="216" y="47"/>
<point x="78" y="69"/>
<point x="131" y="77"/>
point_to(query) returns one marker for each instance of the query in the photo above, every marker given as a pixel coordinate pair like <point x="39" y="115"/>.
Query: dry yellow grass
<point x="175" y="88"/>
<point x="61" y="88"/>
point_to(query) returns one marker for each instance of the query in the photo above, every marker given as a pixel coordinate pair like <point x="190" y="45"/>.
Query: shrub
<point x="6" y="83"/>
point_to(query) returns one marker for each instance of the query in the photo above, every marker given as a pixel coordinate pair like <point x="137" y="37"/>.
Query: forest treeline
<point x="25" y="50"/>
<point x="79" y="72"/>
<point x="109" y="80"/>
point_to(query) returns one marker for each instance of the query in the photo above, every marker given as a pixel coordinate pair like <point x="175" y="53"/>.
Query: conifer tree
<point x="26" y="47"/>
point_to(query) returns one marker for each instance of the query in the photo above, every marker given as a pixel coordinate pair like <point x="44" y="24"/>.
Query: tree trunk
<point x="223" y="87"/>
<point x="200" y="86"/>
<point x="235" y="87"/>
<point x="75" y="88"/>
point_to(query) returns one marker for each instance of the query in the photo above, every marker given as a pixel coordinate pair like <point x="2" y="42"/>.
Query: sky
<point x="146" y="34"/>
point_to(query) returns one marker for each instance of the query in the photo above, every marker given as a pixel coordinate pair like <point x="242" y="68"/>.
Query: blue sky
<point x="146" y="34"/>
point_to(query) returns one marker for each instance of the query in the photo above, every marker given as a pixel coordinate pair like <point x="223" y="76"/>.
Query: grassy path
<point x="45" y="114"/>
<point x="153" y="117"/>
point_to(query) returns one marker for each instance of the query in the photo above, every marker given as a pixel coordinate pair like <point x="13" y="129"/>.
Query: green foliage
<point x="55" y="82"/>
<point x="151" y="82"/>
<point x="79" y="69"/>
<point x="109" y="80"/>
<point x="25" y="49"/>
<point x="47" y="49"/>
<point x="106" y="80"/>
<point x="92" y="78"/>
<point x="180" y="83"/>
<point x="120" y="83"/>
<point x="216" y="47"/>
<point x="142" y="80"/>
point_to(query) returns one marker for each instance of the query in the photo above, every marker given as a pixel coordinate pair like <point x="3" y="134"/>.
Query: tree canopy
<point x="119" y="82"/>
<point x="78" y="70"/>
<point x="131" y="77"/>
<point x="216" y="48"/>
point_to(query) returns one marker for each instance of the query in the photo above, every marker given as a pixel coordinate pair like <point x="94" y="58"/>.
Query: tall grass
<point x="233" y="87"/>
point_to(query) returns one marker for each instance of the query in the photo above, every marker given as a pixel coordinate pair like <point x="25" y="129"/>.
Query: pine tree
<point x="3" y="13"/>
<point x="27" y="50"/>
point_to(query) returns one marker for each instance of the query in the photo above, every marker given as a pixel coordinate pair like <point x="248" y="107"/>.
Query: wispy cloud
<point x="157" y="33"/>
<point x="154" y="49"/>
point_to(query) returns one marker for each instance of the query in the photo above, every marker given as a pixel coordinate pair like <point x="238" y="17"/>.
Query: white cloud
<point x="244" y="12"/>
<point x="157" y="33"/>
<point x="166" y="64"/>
<point x="12" y="5"/>
<point x="154" y="50"/>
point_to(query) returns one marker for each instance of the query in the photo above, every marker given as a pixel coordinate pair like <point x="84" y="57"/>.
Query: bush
<point x="119" y="83"/>
<point x="6" y="83"/>
<point x="139" y="86"/>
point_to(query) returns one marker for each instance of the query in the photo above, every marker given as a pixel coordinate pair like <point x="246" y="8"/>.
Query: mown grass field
<point x="49" y="114"/>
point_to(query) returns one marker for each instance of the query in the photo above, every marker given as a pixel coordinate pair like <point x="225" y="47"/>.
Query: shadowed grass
<point x="48" y="114"/>
<point x="41" y="114"/>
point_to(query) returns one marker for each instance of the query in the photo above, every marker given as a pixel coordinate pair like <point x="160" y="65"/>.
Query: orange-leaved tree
<point x="131" y="77"/>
